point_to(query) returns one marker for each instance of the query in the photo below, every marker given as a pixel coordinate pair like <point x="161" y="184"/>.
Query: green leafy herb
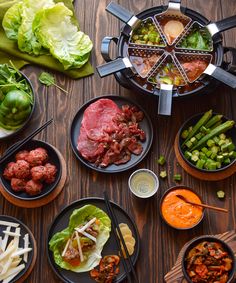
<point x="220" y="194"/>
<point x="198" y="39"/>
<point x="11" y="79"/>
<point x="48" y="80"/>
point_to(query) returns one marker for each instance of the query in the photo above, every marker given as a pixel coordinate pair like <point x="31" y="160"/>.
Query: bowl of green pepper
<point x="17" y="101"/>
<point x="207" y="142"/>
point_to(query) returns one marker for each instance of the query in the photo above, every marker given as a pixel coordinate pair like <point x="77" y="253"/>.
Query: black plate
<point x="24" y="230"/>
<point x="11" y="134"/>
<point x="62" y="221"/>
<point x="192" y="121"/>
<point x="145" y="125"/>
<point x="47" y="188"/>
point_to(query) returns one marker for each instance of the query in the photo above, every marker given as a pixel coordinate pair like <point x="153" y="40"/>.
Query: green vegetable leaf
<point x="48" y="80"/>
<point x="55" y="31"/>
<point x="78" y="217"/>
<point x="12" y="21"/>
<point x="27" y="41"/>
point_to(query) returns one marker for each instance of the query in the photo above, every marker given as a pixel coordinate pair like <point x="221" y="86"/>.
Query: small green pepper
<point x="14" y="109"/>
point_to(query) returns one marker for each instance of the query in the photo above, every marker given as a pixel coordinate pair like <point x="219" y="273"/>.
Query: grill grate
<point x="168" y="53"/>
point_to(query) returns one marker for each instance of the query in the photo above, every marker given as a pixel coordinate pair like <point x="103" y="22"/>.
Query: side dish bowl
<point x="6" y="134"/>
<point x="178" y="214"/>
<point x="210" y="239"/>
<point x="231" y="133"/>
<point x="53" y="158"/>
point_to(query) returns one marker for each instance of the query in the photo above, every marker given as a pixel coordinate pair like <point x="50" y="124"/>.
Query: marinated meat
<point x="18" y="185"/>
<point x="22" y="169"/>
<point x="144" y="65"/>
<point x="110" y="135"/>
<point x="22" y="155"/>
<point x="50" y="174"/>
<point x="194" y="68"/>
<point x="37" y="157"/>
<point x="71" y="254"/>
<point x="9" y="171"/>
<point x="135" y="147"/>
<point x="33" y="188"/>
<point x="38" y="173"/>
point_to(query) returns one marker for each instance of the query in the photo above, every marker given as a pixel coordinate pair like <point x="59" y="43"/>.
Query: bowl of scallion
<point x="207" y="142"/>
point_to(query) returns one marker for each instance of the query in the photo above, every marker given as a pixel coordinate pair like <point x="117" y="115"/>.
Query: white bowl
<point x="143" y="183"/>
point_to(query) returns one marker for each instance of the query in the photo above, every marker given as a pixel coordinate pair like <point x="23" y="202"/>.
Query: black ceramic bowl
<point x="191" y="122"/>
<point x="10" y="134"/>
<point x="161" y="202"/>
<point x="200" y="239"/>
<point x="47" y="188"/>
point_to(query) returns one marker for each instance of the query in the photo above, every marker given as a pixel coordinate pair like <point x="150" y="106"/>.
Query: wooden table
<point x="160" y="244"/>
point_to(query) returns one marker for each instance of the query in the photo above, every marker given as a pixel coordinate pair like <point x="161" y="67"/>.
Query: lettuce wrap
<point x="78" y="218"/>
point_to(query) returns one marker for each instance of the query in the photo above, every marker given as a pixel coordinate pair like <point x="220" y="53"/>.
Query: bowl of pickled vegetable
<point x="17" y="101"/>
<point x="207" y="142"/>
<point x="208" y="259"/>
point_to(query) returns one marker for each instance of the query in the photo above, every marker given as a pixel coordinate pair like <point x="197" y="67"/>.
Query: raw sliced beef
<point x="96" y="124"/>
<point x="98" y="118"/>
<point x="109" y="134"/>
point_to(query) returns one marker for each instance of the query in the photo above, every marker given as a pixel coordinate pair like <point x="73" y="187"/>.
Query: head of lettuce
<point x="72" y="249"/>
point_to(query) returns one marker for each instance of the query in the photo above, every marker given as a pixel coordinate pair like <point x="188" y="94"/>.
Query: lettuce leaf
<point x="27" y="41"/>
<point x="55" y="31"/>
<point x="78" y="217"/>
<point x="12" y="21"/>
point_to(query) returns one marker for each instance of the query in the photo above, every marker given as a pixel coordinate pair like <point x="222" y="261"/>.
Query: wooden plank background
<point x="160" y="244"/>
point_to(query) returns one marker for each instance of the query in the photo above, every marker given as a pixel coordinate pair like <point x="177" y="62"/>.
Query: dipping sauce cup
<point x="143" y="183"/>
<point x="176" y="212"/>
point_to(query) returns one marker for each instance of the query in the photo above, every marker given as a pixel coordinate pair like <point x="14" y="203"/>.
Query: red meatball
<point x="22" y="155"/>
<point x="33" y="188"/>
<point x="22" y="169"/>
<point x="37" y="157"/>
<point x="9" y="172"/>
<point x="18" y="185"/>
<point x="51" y="173"/>
<point x="38" y="173"/>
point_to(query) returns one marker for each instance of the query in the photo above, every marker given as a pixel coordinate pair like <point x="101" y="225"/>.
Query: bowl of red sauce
<point x="208" y="259"/>
<point x="176" y="212"/>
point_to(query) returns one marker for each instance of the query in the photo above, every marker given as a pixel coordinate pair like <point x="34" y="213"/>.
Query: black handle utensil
<point x="122" y="14"/>
<point x="18" y="145"/>
<point x="116" y="229"/>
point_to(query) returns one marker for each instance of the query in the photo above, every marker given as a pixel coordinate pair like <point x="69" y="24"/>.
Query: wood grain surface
<point x="160" y="244"/>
